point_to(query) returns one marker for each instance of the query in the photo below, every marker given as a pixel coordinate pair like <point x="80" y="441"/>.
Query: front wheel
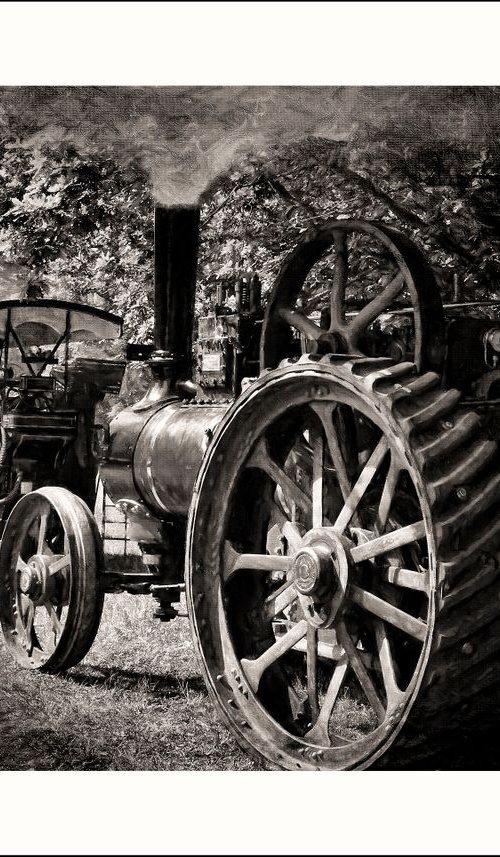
<point x="50" y="597"/>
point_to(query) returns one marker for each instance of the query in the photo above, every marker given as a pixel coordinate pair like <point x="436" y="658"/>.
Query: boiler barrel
<point x="168" y="454"/>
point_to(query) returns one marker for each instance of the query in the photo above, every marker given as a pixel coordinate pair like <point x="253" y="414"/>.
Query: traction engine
<point x="325" y="488"/>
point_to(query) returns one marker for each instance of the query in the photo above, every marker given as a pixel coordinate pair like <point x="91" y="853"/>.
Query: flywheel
<point x="50" y="595"/>
<point x="341" y="565"/>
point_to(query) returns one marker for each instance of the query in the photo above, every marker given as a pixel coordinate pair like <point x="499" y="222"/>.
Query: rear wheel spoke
<point x="261" y="459"/>
<point x="393" y="693"/>
<point x="361" y="672"/>
<point x="254" y="669"/>
<point x="389" y="542"/>
<point x="312" y="670"/>
<point x="326" y="414"/>
<point x="234" y="561"/>
<point x="352" y="502"/>
<point x="387" y="497"/>
<point x="388" y="612"/>
<point x="319" y="733"/>
<point x="280" y="600"/>
<point x="317" y="483"/>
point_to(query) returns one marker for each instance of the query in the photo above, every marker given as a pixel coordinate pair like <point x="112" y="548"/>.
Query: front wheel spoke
<point x="234" y="561"/>
<point x="388" y="542"/>
<point x="255" y="669"/>
<point x="392" y="690"/>
<point x="361" y="672"/>
<point x="21" y="565"/>
<point x="59" y="564"/>
<point x="55" y="619"/>
<point x="388" y="612"/>
<point x="319" y="733"/>
<point x="312" y="670"/>
<point x="29" y="627"/>
<point x="260" y="458"/>
<point x="372" y="310"/>
<point x="362" y="483"/>
<point x="42" y="532"/>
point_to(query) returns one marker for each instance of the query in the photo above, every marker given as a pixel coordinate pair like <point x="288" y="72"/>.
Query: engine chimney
<point x="176" y="232"/>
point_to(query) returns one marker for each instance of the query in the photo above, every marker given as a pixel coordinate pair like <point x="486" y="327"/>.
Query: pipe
<point x="176" y="236"/>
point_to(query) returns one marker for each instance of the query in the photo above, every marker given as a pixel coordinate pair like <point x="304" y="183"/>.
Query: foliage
<point x="81" y="222"/>
<point x="82" y="226"/>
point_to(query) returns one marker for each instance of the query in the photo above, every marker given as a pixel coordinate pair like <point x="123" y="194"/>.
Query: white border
<point x="249" y="43"/>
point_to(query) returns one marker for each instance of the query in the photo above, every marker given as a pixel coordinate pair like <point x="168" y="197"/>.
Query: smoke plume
<point x="187" y="136"/>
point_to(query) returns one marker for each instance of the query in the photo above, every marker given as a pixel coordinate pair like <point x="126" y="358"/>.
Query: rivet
<point x="467" y="649"/>
<point x="462" y="494"/>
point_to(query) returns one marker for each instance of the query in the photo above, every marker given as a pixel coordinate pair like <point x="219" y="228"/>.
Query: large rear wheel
<point x="341" y="564"/>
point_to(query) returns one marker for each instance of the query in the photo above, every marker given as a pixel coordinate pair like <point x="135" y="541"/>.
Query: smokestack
<point x="176" y="252"/>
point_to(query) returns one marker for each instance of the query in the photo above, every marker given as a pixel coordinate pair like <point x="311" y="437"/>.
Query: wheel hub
<point x="313" y="569"/>
<point x="320" y="571"/>
<point x="33" y="579"/>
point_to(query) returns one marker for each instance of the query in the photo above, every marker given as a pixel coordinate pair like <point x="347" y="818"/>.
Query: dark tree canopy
<point x="79" y="225"/>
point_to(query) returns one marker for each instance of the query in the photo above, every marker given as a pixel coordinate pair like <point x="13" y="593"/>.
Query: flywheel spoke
<point x="339" y="285"/>
<point x="255" y="669"/>
<point x="388" y="612"/>
<point x="301" y="323"/>
<point x="371" y="311"/>
<point x="362" y="483"/>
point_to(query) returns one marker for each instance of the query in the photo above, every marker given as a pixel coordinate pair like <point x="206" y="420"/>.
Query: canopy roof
<point x="43" y="322"/>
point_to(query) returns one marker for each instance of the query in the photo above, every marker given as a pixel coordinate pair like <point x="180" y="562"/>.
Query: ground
<point x="137" y="702"/>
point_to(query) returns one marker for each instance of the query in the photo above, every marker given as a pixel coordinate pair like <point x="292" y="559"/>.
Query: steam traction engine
<point x="333" y="485"/>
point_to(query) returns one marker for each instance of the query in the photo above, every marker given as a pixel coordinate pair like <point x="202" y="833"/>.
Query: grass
<point x="137" y="702"/>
